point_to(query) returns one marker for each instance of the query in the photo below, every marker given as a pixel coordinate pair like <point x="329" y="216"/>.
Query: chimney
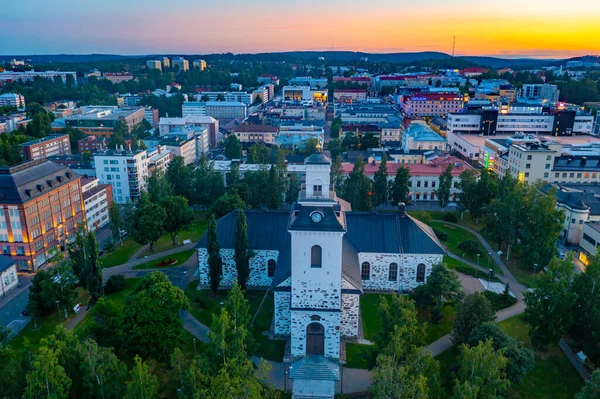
<point x="401" y="209"/>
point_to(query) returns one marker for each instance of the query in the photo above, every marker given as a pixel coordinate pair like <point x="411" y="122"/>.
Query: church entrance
<point x="315" y="339"/>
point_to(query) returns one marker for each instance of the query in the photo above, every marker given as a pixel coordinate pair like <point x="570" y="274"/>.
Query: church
<point x="318" y="259"/>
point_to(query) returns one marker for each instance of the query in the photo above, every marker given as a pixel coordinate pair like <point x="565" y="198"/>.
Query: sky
<point x="506" y="28"/>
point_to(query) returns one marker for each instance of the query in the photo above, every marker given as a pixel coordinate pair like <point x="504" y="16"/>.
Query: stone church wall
<point x="350" y="313"/>
<point x="407" y="270"/>
<point x="329" y="320"/>
<point x="283" y="315"/>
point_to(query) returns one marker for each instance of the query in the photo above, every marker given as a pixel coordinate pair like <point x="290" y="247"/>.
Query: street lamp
<point x="478" y="255"/>
<point x="534" y="268"/>
<point x="489" y="256"/>
<point x="58" y="307"/>
<point x="489" y="278"/>
<point x="194" y="346"/>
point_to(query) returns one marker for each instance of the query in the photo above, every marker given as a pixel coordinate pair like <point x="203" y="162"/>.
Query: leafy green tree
<point x="120" y="130"/>
<point x="336" y="127"/>
<point x="400" y="187"/>
<point x="399" y="311"/>
<point x="84" y="255"/>
<point x="357" y="187"/>
<point x="442" y="284"/>
<point x="74" y="136"/>
<point x="208" y="184"/>
<point x="591" y="390"/>
<point x="380" y="184"/>
<point x="151" y="323"/>
<point x="14" y="366"/>
<point x="337" y="174"/>
<point x="586" y="311"/>
<point x="274" y="189"/>
<point x="505" y="212"/>
<point x="238" y="378"/>
<point x="103" y="374"/>
<point x="180" y="177"/>
<point x="215" y="263"/>
<point x="43" y="294"/>
<point x="158" y="187"/>
<point x="178" y="215"/>
<point x="549" y="310"/>
<point x="444" y="186"/>
<point x="47" y="378"/>
<point x="291" y="194"/>
<point x="107" y="326"/>
<point x="225" y="204"/>
<point x="311" y="146"/>
<point x="258" y="153"/>
<point x="481" y="372"/>
<point x="4" y="336"/>
<point x="148" y="222"/>
<point x="116" y="221"/>
<point x="475" y="310"/>
<point x="142" y="384"/>
<point x="243" y="253"/>
<point x="369" y="140"/>
<point x="233" y="148"/>
<point x="335" y="147"/>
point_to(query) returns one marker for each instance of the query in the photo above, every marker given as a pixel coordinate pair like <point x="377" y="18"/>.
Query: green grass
<point x="371" y="322"/>
<point x="192" y="231"/>
<point x="204" y="304"/>
<point x="179" y="257"/>
<point x="522" y="271"/>
<point x="461" y="267"/>
<point x="435" y="331"/>
<point x="553" y="375"/>
<point x="120" y="254"/>
<point x="360" y="356"/>
<point x="456" y="236"/>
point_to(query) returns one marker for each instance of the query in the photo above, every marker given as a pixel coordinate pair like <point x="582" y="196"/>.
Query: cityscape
<point x="204" y="208"/>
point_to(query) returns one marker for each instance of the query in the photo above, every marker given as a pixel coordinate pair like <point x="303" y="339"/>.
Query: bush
<point x="500" y="301"/>
<point x="442" y="235"/>
<point x="469" y="246"/>
<point x="114" y="283"/>
<point x="471" y="271"/>
<point x="450" y="217"/>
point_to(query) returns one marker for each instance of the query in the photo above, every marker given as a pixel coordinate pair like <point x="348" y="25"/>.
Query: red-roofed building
<point x="473" y="71"/>
<point x="361" y="80"/>
<point x="431" y="104"/>
<point x="424" y="177"/>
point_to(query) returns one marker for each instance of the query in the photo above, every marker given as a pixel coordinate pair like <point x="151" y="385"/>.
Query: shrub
<point x="471" y="271"/>
<point x="469" y="246"/>
<point x="450" y="217"/>
<point x="442" y="235"/>
<point x="499" y="301"/>
<point x="114" y="283"/>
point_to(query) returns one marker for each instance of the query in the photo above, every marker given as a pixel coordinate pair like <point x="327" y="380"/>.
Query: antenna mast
<point x="453" y="45"/>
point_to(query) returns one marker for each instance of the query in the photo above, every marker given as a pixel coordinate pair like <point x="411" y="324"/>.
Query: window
<point x="393" y="275"/>
<point x="420" y="273"/>
<point x="365" y="272"/>
<point x="316" y="256"/>
<point x="271" y="264"/>
<point x="318" y="190"/>
<point x="528" y="166"/>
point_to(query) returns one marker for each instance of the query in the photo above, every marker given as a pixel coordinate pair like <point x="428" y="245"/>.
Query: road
<point x="12" y="306"/>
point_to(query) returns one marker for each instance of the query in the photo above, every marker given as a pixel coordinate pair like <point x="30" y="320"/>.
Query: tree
<point x="220" y="97"/>
<point x="208" y="184"/>
<point x="84" y="256"/>
<point x="291" y="194"/>
<point x="442" y="283"/>
<point x="180" y="177"/>
<point x="336" y="126"/>
<point x="549" y="306"/>
<point x="475" y="310"/>
<point x="233" y="148"/>
<point x="503" y="219"/>
<point x="120" y="130"/>
<point x="74" y="136"/>
<point x="357" y="187"/>
<point x="380" y="184"/>
<point x="178" y="215"/>
<point x="591" y="390"/>
<point x="225" y="204"/>
<point x="151" y="323"/>
<point x="43" y="293"/>
<point x="400" y="187"/>
<point x="242" y="250"/>
<point x="444" y="186"/>
<point x="586" y="311"/>
<point x="215" y="263"/>
<point x="142" y="384"/>
<point x="47" y="378"/>
<point x="102" y="372"/>
<point x="148" y="222"/>
<point x="258" y="153"/>
<point x="107" y="328"/>
<point x="274" y="189"/>
<point x="158" y="186"/>
<point x="481" y="372"/>
<point x="204" y="98"/>
<point x="392" y="381"/>
<point x="116" y="221"/>
<point x="399" y="311"/>
<point x="337" y="174"/>
<point x="311" y="146"/>
<point x="4" y="336"/>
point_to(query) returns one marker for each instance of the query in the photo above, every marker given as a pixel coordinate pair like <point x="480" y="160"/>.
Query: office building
<point x="303" y="93"/>
<point x="180" y="64"/>
<point x="168" y="125"/>
<point x="29" y="76"/>
<point x="200" y="64"/>
<point x="431" y="104"/>
<point x="126" y="171"/>
<point x="544" y="92"/>
<point x="256" y="133"/>
<point x="154" y="64"/>
<point x="221" y="110"/>
<point x="39" y="211"/>
<point x="12" y="100"/>
<point x="349" y="95"/>
<point x="100" y="121"/>
<point x="52" y="145"/>
<point x="313" y="83"/>
<point x="227" y="96"/>
<point x="118" y="77"/>
<point x="96" y="201"/>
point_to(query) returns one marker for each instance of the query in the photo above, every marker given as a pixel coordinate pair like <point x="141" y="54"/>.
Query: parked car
<point x="25" y="313"/>
<point x="561" y="255"/>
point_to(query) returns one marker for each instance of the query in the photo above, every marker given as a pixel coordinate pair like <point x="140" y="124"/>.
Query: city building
<point x="96" y="201"/>
<point x="201" y="64"/>
<point x="129" y="100"/>
<point x="12" y="100"/>
<point x="318" y="259"/>
<point x="188" y="142"/>
<point x="167" y="125"/>
<point x="431" y="104"/>
<point x="126" y="171"/>
<point x="313" y="83"/>
<point x="93" y="73"/>
<point x="230" y="96"/>
<point x="154" y="64"/>
<point x="9" y="280"/>
<point x="151" y="116"/>
<point x="29" y="76"/>
<point x="588" y="246"/>
<point x="544" y="92"/>
<point x="118" y="77"/>
<point x="166" y="63"/>
<point x="266" y="79"/>
<point x="296" y="134"/>
<point x="419" y="136"/>
<point x="159" y="159"/>
<point x="303" y="93"/>
<point x="221" y="110"/>
<point x="40" y="208"/>
<point x="52" y="145"/>
<point x="89" y="144"/>
<point x="256" y="133"/>
<point x="180" y="64"/>
<point x="101" y="120"/>
<point x="349" y="95"/>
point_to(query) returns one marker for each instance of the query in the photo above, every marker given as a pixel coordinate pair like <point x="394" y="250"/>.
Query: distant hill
<point x="342" y="56"/>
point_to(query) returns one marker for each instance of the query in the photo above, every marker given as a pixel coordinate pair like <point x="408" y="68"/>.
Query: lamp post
<point x="534" y="268"/>
<point x="489" y="278"/>
<point x="489" y="256"/>
<point x="478" y="255"/>
<point x="194" y="347"/>
<point x="58" y="307"/>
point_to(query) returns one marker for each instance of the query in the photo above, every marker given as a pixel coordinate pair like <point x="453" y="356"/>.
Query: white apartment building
<point x="168" y="125"/>
<point x="96" y="201"/>
<point x="12" y="100"/>
<point x="166" y="63"/>
<point x="185" y="148"/>
<point x="263" y="92"/>
<point x="544" y="92"/>
<point x="193" y="108"/>
<point x="126" y="171"/>
<point x="201" y="64"/>
<point x="29" y="76"/>
<point x="181" y="63"/>
<point x="225" y="110"/>
<point x="154" y="64"/>
<point x="590" y="241"/>
<point x="229" y="96"/>
<point x="159" y="159"/>
<point x="9" y="279"/>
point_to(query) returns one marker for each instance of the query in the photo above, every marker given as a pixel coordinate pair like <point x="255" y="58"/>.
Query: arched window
<point x="316" y="256"/>
<point x="420" y="273"/>
<point x="393" y="275"/>
<point x="365" y="272"/>
<point x="271" y="264"/>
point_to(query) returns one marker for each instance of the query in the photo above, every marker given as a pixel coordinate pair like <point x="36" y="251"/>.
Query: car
<point x="25" y="313"/>
<point x="561" y="255"/>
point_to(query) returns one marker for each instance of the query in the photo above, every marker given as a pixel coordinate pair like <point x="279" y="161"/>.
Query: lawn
<point x="192" y="231"/>
<point x="179" y="258"/>
<point x="435" y="331"/>
<point x="522" y="271"/>
<point x="203" y="304"/>
<point x="120" y="254"/>
<point x="369" y="313"/>
<point x="47" y="325"/>
<point x="553" y="375"/>
<point x="360" y="356"/>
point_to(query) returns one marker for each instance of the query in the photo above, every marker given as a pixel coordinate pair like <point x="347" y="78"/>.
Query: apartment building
<point x="431" y="104"/>
<point x="126" y="171"/>
<point x="151" y="116"/>
<point x="181" y="64"/>
<point x="546" y="93"/>
<point x="118" y="77"/>
<point x="40" y="208"/>
<point x="200" y="64"/>
<point x="256" y="133"/>
<point x="89" y="144"/>
<point x="9" y="280"/>
<point x="419" y="136"/>
<point x="96" y="201"/>
<point x="185" y="148"/>
<point x="159" y="159"/>
<point x="154" y="64"/>
<point x="52" y="145"/>
<point x="168" y="125"/>
<point x="12" y="100"/>
<point x="349" y="95"/>
<point x="100" y="121"/>
<point x="230" y="96"/>
<point x="166" y="63"/>
<point x="29" y="76"/>
<point x="314" y="83"/>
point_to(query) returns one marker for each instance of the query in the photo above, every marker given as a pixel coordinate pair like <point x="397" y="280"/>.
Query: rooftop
<point x="47" y="138"/>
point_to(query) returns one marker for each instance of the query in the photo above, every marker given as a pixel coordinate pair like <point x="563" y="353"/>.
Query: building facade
<point x="96" y="201"/>
<point x="256" y="133"/>
<point x="12" y="100"/>
<point x="52" y="145"/>
<point x="126" y="171"/>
